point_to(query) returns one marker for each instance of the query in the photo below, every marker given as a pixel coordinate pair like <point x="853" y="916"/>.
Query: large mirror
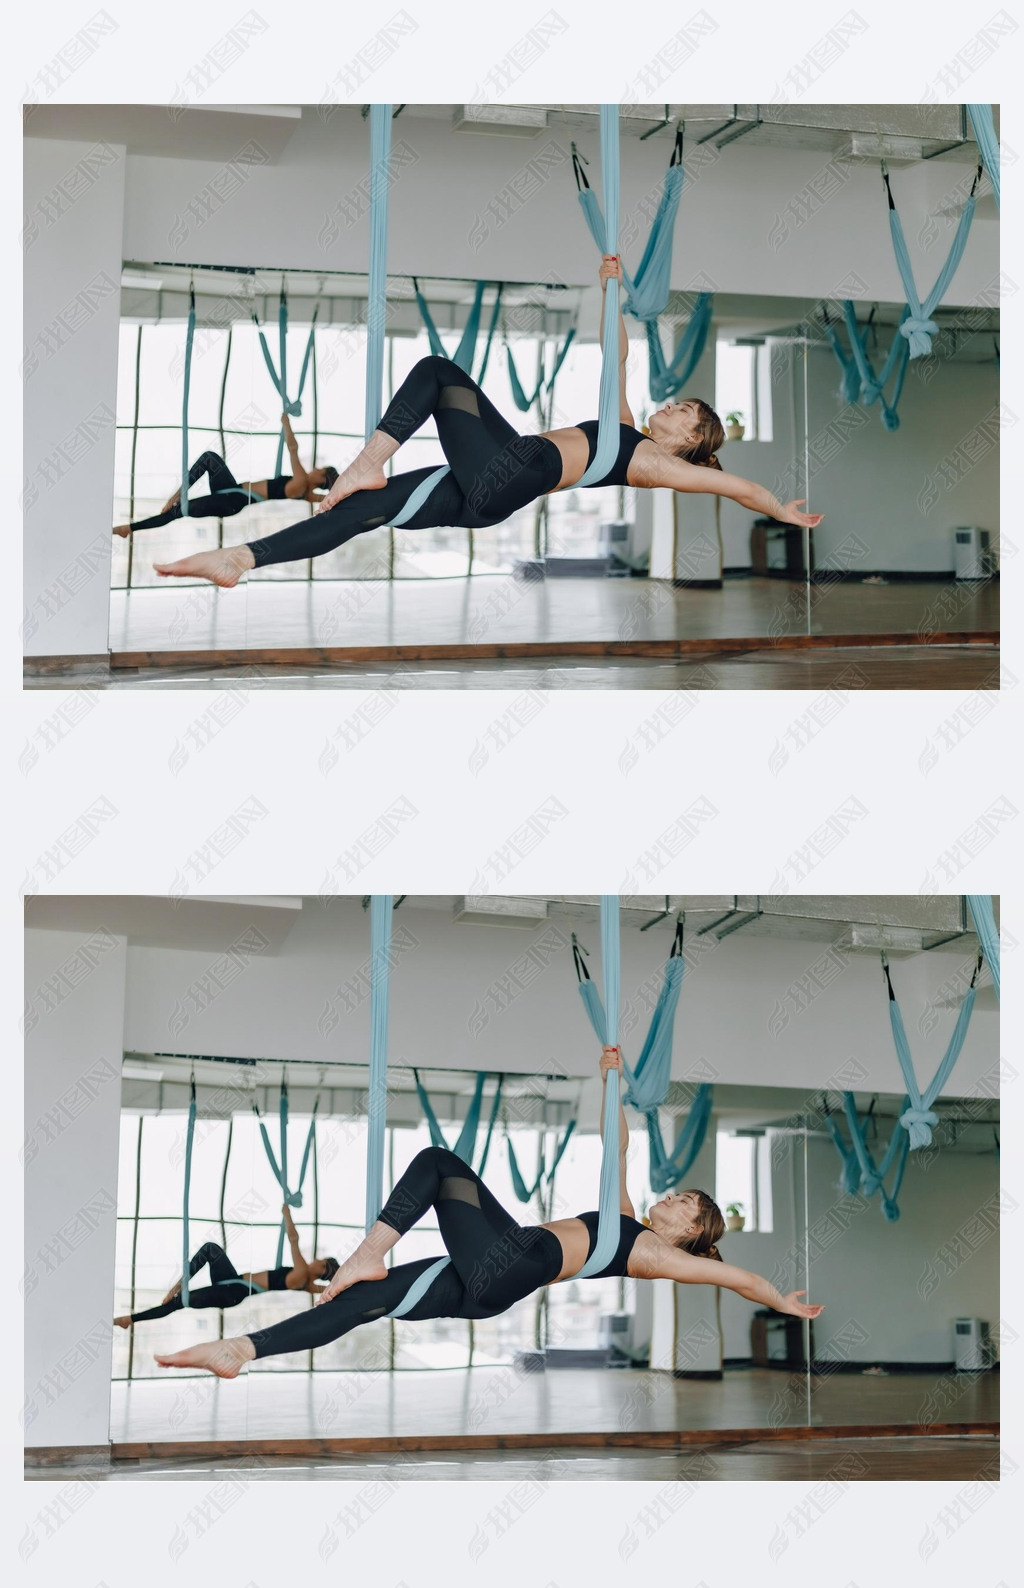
<point x="830" y="1133"/>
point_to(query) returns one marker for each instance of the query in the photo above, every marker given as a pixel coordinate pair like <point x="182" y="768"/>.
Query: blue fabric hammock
<point x="917" y="326"/>
<point x="605" y="231"/>
<point x="186" y="383"/>
<point x="918" y="1118"/>
<point x="465" y="353"/>
<point x="279" y="374"/>
<point x="381" y="912"/>
<point x="983" y="125"/>
<point x="860" y="1173"/>
<point x="872" y="385"/>
<point x="465" y="1146"/>
<point x="647" y="292"/>
<point x="190" y="1130"/>
<point x="526" y="1192"/>
<point x="523" y="401"/>
<point x="648" y="1083"/>
<point x="377" y="283"/>
<point x="984" y="918"/>
<point x="293" y="1197"/>
<point x="850" y="382"/>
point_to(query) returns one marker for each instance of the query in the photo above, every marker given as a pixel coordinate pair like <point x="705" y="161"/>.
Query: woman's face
<point x="674" y="1218"/>
<point x="675" y="425"/>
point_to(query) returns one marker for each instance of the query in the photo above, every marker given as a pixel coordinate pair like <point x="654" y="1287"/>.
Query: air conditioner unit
<point x="497" y="910"/>
<point x="514" y="121"/>
<point x="972" y="1345"/>
<point x="615" y="1333"/>
<point x="972" y="554"/>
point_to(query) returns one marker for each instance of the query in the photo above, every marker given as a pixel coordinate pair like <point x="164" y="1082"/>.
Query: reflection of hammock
<point x="466" y="1145"/>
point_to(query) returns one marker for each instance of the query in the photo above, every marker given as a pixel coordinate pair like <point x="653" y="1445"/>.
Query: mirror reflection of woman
<point x="493" y="470"/>
<point x="495" y="1262"/>
<point x="228" y="1287"/>
<point x="227" y="496"/>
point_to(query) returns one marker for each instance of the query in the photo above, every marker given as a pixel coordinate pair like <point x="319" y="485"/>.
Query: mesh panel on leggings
<point x="457" y="1189"/>
<point x="459" y="397"/>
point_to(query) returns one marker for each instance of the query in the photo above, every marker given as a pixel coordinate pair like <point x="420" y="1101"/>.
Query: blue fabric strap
<point x="377" y="289"/>
<point x="465" y="353"/>
<point x="186" y="383"/>
<point x="381" y="910"/>
<point x="466" y="1145"/>
<point x="918" y="1118"/>
<point x="918" y="327"/>
<point x="850" y="1178"/>
<point x="418" y="1289"/>
<point x="186" y="1256"/>
<point x="983" y="125"/>
<point x="984" y="917"/>
<point x="419" y="496"/>
<point x="607" y="448"/>
<point x="872" y="386"/>
<point x="668" y="1169"/>
<point x="608" y="1201"/>
<point x="522" y="1190"/>
<point x="649" y="1079"/>
<point x="666" y="379"/>
<point x="495" y="1105"/>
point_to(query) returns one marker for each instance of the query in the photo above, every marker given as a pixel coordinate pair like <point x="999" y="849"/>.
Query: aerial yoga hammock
<point x="492" y="471"/>
<point x="648" y="1081"/>
<point x="917" y="1119"/>
<point x="227" y="1287"/>
<point x="492" y="1261"/>
<point x="915" y="330"/>
<point x="228" y="496"/>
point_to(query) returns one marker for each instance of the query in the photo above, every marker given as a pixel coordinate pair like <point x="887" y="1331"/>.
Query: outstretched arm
<point x="298" y="485"/>
<point x="651" y="467"/>
<point x="611" y="1059"/>
<point x="298" y="1279"/>
<point x="611" y="270"/>
<point x="685" y="1269"/>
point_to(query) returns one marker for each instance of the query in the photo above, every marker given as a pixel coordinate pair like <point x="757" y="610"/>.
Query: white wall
<point x="890" y="1291"/>
<point x="511" y="212"/>
<point x="884" y="488"/>
<point x="74" y="201"/>
<point x="765" y="1012"/>
<point x="74" y="1041"/>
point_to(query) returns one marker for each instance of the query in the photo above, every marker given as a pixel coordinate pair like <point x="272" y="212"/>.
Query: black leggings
<point x="217" y="1294"/>
<point x="495" y="1262"/>
<point x="494" y="470"/>
<point x="221" y="479"/>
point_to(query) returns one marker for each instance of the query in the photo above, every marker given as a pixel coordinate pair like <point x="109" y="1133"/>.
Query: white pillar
<point x="74" y="203"/>
<point x="74" y="1034"/>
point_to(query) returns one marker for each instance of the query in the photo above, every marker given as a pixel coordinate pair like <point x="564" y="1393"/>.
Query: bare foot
<point x="369" y="478"/>
<point x="224" y="567"/>
<point x="352" y="1272"/>
<point x="226" y="1358"/>
<point x="124" y="1322"/>
<point x="124" y="530"/>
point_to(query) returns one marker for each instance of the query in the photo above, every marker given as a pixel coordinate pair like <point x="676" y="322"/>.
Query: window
<point x="743" y="1176"/>
<point x="743" y="385"/>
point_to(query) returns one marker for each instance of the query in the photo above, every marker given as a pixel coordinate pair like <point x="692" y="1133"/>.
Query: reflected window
<point x="743" y="1177"/>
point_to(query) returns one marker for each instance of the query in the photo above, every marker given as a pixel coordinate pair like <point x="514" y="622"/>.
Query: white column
<point x="74" y="1025"/>
<point x="74" y="203"/>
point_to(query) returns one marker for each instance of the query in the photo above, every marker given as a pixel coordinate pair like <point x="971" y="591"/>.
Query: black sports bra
<point x="275" y="487"/>
<point x="629" y="440"/>
<point x="629" y="1229"/>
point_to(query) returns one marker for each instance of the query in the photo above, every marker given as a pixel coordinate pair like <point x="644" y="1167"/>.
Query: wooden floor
<point x="902" y="1459"/>
<point x="902" y="667"/>
<point x="417" y="621"/>
<point x="310" y="1414"/>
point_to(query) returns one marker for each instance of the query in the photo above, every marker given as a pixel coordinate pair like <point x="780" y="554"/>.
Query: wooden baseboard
<point x="655" y="1439"/>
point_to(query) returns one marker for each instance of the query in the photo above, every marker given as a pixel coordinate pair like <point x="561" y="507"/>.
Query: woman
<point x="228" y="496"/>
<point x="494" y="471"/>
<point x="228" y="1287"/>
<point x="495" y="1262"/>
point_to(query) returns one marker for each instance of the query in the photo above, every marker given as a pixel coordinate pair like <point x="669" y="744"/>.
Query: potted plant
<point x="734" y="1216"/>
<point x="734" y="426"/>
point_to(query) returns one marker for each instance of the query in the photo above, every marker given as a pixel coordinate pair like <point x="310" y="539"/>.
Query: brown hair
<point x="711" y="434"/>
<point x="712" y="1228"/>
